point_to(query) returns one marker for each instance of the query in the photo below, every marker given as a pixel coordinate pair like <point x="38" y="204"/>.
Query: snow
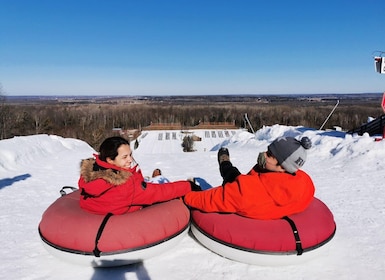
<point x="347" y="170"/>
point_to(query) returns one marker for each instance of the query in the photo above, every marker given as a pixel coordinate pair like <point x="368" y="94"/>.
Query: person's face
<point x="124" y="157"/>
<point x="272" y="163"/>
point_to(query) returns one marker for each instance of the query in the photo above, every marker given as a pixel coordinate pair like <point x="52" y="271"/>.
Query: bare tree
<point x="92" y="122"/>
<point x="4" y="114"/>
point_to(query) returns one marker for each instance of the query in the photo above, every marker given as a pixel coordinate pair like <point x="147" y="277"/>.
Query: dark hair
<point x="109" y="147"/>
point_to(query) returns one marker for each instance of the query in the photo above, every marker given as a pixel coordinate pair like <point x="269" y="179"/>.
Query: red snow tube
<point x="253" y="241"/>
<point x="69" y="232"/>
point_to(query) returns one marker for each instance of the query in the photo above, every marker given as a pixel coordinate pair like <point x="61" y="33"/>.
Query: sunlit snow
<point x="348" y="172"/>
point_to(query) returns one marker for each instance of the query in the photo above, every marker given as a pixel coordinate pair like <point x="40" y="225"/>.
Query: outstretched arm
<point x="219" y="199"/>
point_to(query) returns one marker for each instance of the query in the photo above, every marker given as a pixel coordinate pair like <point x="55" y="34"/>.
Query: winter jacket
<point x="265" y="196"/>
<point x="106" y="188"/>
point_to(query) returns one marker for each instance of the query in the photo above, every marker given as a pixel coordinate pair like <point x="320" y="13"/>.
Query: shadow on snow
<point x="9" y="181"/>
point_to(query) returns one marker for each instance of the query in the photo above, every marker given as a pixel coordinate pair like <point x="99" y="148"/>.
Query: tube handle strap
<point x="298" y="243"/>
<point x="96" y="250"/>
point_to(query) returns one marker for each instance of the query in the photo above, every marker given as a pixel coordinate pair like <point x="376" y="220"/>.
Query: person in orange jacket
<point x="112" y="182"/>
<point x="275" y="187"/>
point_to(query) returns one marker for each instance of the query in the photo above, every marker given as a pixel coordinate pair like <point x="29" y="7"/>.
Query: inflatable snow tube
<point x="79" y="237"/>
<point x="294" y="239"/>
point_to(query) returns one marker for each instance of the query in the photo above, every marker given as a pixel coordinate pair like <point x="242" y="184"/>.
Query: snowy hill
<point x="348" y="172"/>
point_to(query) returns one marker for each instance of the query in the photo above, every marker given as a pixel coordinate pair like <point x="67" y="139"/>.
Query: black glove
<point x="194" y="187"/>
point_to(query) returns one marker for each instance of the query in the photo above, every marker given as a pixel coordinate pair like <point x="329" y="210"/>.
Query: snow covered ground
<point x="348" y="172"/>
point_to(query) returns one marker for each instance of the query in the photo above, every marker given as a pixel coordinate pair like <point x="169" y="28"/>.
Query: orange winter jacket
<point x="265" y="196"/>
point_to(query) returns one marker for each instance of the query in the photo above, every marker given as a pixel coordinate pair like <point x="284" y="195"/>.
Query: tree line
<point x="94" y="122"/>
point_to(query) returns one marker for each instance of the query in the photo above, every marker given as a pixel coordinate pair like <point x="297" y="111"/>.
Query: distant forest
<point x="93" y="119"/>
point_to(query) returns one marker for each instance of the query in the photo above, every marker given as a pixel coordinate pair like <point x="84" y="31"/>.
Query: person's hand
<point x="195" y="187"/>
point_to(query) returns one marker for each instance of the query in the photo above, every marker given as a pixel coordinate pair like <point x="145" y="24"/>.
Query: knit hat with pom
<point x="290" y="153"/>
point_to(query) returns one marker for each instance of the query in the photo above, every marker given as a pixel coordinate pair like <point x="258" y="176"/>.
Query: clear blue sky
<point x="162" y="47"/>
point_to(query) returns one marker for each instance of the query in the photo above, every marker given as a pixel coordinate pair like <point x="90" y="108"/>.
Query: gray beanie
<point x="290" y="153"/>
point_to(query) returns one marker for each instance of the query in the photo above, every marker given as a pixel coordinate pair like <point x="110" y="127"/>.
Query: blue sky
<point x="149" y="47"/>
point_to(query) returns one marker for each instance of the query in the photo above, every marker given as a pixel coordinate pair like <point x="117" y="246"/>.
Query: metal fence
<point x="375" y="127"/>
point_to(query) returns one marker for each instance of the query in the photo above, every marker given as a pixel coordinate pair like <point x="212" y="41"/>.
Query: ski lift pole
<point x="248" y="121"/>
<point x="328" y="117"/>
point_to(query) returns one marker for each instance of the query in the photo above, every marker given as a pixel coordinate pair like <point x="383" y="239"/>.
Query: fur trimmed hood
<point x="90" y="171"/>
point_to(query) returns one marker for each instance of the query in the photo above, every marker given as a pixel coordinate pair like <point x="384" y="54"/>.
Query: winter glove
<point x="194" y="187"/>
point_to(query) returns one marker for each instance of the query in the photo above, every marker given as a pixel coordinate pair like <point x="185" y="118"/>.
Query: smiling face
<point x="124" y="157"/>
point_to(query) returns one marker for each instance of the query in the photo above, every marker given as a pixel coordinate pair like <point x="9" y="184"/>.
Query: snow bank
<point x="347" y="170"/>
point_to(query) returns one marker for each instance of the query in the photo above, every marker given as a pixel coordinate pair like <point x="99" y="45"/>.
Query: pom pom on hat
<point x="306" y="143"/>
<point x="289" y="152"/>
